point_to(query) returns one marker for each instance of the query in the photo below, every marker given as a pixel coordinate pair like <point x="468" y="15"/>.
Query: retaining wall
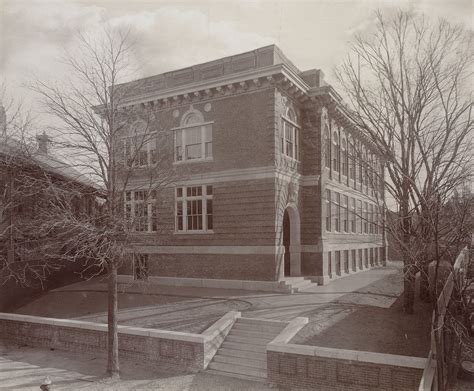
<point x="312" y="367"/>
<point x="191" y="352"/>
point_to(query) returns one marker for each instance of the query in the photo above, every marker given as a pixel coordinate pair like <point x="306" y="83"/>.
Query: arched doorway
<point x="291" y="241"/>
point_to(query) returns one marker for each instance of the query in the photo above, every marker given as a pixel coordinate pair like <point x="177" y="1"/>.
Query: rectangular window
<point x="366" y="218"/>
<point x="337" y="211"/>
<point x="140" y="150"/>
<point x="194" y="209"/>
<point x="290" y="139"/>
<point x="328" y="210"/>
<point x="360" y="216"/>
<point x="338" y="263"/>
<point x="360" y="259"/>
<point x="346" y="261"/>
<point x="140" y="267"/>
<point x="140" y="210"/>
<point x="193" y="143"/>
<point x="371" y="219"/>
<point x="354" y="263"/>
<point x="353" y="215"/>
<point x="329" y="264"/>
<point x="345" y="211"/>
<point x="366" y="257"/>
<point x="352" y="162"/>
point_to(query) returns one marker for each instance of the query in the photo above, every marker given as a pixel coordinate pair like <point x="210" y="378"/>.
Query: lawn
<point x="359" y="325"/>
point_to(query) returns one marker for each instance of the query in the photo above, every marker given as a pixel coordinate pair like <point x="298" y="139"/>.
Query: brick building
<point x="23" y="172"/>
<point x="271" y="177"/>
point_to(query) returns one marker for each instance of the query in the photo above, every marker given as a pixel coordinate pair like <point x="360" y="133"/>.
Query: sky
<point x="173" y="35"/>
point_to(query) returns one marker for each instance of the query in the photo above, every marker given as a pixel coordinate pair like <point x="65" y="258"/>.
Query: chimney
<point x="314" y="77"/>
<point x="43" y="140"/>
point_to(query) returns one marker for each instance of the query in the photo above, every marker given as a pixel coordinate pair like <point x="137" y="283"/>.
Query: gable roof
<point x="14" y="148"/>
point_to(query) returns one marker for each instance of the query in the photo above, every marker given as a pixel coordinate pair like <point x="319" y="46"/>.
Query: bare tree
<point x="407" y="84"/>
<point x="109" y="143"/>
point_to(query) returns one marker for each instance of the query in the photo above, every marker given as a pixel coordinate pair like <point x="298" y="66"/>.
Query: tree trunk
<point x="409" y="288"/>
<point x="425" y="294"/>
<point x="113" y="358"/>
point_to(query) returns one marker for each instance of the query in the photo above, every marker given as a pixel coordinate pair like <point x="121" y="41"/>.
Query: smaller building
<point x="23" y="173"/>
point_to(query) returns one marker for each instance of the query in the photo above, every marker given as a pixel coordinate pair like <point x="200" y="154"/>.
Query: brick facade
<point x="266" y="163"/>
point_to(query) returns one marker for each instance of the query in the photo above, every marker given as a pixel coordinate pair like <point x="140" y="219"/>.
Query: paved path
<point x="195" y="309"/>
<point x="191" y="309"/>
<point x="25" y="368"/>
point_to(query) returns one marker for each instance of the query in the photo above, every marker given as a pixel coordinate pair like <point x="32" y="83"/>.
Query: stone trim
<point x="241" y="250"/>
<point x="289" y="331"/>
<point x="219" y="82"/>
<point x="216" y="333"/>
<point x="164" y="334"/>
<point x="246" y="174"/>
<point x="352" y="355"/>
<point x="264" y="286"/>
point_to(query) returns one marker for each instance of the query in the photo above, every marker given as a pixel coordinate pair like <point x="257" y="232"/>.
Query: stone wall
<point x="311" y="367"/>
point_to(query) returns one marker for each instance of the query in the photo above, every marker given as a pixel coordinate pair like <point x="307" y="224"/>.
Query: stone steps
<point x="243" y="362"/>
<point x="297" y="284"/>
<point x="244" y="347"/>
<point x="243" y="352"/>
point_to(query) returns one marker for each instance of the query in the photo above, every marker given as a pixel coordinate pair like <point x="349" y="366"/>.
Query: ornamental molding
<point x="276" y="75"/>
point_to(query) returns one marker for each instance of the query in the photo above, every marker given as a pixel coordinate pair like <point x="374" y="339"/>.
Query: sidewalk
<point x="194" y="309"/>
<point x="23" y="368"/>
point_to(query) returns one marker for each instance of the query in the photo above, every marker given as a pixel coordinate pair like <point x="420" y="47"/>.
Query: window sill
<point x="206" y="160"/>
<point x="193" y="232"/>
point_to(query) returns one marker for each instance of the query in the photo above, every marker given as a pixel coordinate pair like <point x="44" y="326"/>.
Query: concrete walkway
<point x="25" y="368"/>
<point x="194" y="309"/>
<point x="188" y="309"/>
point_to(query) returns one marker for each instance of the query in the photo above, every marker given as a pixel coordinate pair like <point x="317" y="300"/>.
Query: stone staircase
<point x="298" y="284"/>
<point x="243" y="353"/>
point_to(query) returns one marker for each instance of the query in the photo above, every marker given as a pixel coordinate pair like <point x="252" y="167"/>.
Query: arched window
<point x="193" y="139"/>
<point x="327" y="147"/>
<point x="290" y="135"/>
<point x="140" y="145"/>
<point x="344" y="157"/>
<point x="336" y="153"/>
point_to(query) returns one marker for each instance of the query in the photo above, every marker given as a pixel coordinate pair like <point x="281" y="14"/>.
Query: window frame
<point x="295" y="131"/>
<point x="150" y="200"/>
<point x="186" y="128"/>
<point x="328" y="210"/>
<point x="204" y="197"/>
<point x="128" y="146"/>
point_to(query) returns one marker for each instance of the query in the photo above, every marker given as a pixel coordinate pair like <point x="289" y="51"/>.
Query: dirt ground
<point x="359" y="325"/>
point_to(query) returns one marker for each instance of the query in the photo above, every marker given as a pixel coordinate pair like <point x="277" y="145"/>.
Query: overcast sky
<point x="313" y="34"/>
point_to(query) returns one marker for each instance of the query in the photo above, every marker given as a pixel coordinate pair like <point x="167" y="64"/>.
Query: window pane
<point x="209" y="190"/>
<point x="208" y="133"/>
<point x="193" y="136"/>
<point x="193" y="151"/>
<point x="179" y="192"/>
<point x="208" y="148"/>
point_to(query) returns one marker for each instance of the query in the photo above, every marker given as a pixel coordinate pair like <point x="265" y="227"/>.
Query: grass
<point x="375" y="329"/>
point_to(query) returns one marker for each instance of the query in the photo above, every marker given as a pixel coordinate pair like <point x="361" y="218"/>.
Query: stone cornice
<point x="278" y="74"/>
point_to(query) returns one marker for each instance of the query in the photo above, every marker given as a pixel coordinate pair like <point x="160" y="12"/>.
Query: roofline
<point x="268" y="71"/>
